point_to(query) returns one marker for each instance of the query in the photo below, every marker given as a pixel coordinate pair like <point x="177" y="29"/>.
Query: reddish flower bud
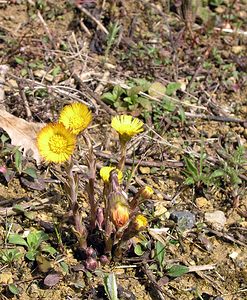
<point x="91" y="264"/>
<point x="104" y="260"/>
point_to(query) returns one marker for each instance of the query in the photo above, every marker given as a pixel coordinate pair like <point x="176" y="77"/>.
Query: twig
<point x="215" y="118"/>
<point x="228" y="30"/>
<point x="46" y="29"/>
<point x="92" y="94"/>
<point x="225" y="236"/>
<point x="158" y="164"/>
<point x="25" y="102"/>
<point x="86" y="12"/>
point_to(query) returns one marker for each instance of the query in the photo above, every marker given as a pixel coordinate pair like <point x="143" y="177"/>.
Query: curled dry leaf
<point x="21" y="133"/>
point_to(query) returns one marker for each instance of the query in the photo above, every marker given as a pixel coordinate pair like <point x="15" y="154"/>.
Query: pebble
<point x="184" y="219"/>
<point x="145" y="170"/>
<point x="216" y="218"/>
<point x="202" y="202"/>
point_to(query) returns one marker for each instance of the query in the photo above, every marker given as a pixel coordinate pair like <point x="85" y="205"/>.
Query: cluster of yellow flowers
<point x="56" y="141"/>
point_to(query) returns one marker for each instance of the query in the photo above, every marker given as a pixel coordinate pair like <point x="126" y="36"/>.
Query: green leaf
<point x="189" y="181"/>
<point x="31" y="172"/>
<point x="139" y="250"/>
<point x="172" y="88"/>
<point x="168" y="105"/>
<point x="56" y="71"/>
<point x="217" y="173"/>
<point x="13" y="289"/>
<point x="35" y="238"/>
<point x="49" y="249"/>
<point x="160" y="254"/>
<point x="157" y="90"/>
<point x="16" y="239"/>
<point x="31" y="254"/>
<point x="177" y="270"/>
<point x="182" y="114"/>
<point x="18" y="160"/>
<point x="110" y="286"/>
<point x="4" y="139"/>
<point x="19" y="60"/>
<point x="191" y="168"/>
<point x="64" y="266"/>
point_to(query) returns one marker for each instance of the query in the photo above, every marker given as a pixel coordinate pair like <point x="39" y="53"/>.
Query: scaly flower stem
<point x="121" y="163"/>
<point x="72" y="190"/>
<point x="91" y="181"/>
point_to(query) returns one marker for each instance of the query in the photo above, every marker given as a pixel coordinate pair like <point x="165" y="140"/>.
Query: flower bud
<point x="91" y="264"/>
<point x="90" y="252"/>
<point x="104" y="260"/>
<point x="3" y="169"/>
<point x="146" y="192"/>
<point x="120" y="214"/>
<point x="140" y="222"/>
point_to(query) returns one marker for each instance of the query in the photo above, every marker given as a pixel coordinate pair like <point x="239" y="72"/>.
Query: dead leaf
<point x="52" y="279"/>
<point x="21" y="133"/>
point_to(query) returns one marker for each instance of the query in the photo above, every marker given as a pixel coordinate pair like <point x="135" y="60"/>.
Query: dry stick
<point x="86" y="12"/>
<point x="215" y="118"/>
<point x="169" y="164"/>
<point x="92" y="94"/>
<point x="225" y="236"/>
<point x="25" y="102"/>
<point x="46" y="29"/>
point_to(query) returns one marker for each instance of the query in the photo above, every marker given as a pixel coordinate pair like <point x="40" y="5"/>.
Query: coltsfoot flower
<point x="105" y="173"/>
<point x="140" y="222"/>
<point x="56" y="143"/>
<point x="127" y="126"/>
<point x="146" y="192"/>
<point x="75" y="117"/>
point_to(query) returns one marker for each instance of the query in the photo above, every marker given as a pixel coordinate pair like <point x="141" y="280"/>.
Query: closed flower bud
<point x="90" y="252"/>
<point x="146" y="192"/>
<point x="119" y="214"/>
<point x="91" y="264"/>
<point x="104" y="260"/>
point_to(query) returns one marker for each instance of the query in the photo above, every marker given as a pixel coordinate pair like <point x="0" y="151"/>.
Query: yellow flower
<point x="146" y="192"/>
<point x="105" y="173"/>
<point x="127" y="126"/>
<point x="55" y="143"/>
<point x="140" y="222"/>
<point x="119" y="214"/>
<point x="75" y="117"/>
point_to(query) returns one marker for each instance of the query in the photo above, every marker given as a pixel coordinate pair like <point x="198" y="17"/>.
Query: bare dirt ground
<point x="64" y="51"/>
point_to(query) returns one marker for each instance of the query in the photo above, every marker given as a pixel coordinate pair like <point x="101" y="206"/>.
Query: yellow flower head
<point x="146" y="192"/>
<point x="55" y="143"/>
<point x="140" y="222"/>
<point x="127" y="126"/>
<point x="75" y="117"/>
<point x="105" y="173"/>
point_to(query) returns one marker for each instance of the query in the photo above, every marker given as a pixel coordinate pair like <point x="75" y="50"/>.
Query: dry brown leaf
<point x="21" y="133"/>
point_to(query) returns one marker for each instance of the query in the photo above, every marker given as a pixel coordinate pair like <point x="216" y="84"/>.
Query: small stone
<point x="145" y="170"/>
<point x="216" y="218"/>
<point x="184" y="219"/>
<point x="202" y="202"/>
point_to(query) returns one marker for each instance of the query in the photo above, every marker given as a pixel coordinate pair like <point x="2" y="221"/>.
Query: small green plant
<point x="114" y="29"/>
<point x="32" y="243"/>
<point x="196" y="173"/>
<point x="8" y="256"/>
